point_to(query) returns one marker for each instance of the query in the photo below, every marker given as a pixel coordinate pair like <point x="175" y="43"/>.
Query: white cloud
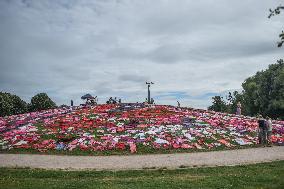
<point x="109" y="48"/>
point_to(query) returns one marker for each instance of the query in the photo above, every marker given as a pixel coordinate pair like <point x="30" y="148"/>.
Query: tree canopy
<point x="262" y="93"/>
<point x="11" y="104"/>
<point x="219" y="105"/>
<point x="41" y="101"/>
<point x="274" y="12"/>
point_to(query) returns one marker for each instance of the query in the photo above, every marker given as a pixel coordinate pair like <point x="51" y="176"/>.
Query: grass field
<point x="266" y="175"/>
<point x="141" y="150"/>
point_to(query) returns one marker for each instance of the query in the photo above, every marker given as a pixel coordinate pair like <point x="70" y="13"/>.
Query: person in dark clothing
<point x="92" y="101"/>
<point x="178" y="104"/>
<point x="262" y="130"/>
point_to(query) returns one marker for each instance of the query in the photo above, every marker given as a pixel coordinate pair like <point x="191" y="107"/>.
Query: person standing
<point x="239" y="108"/>
<point x="178" y="104"/>
<point x="262" y="130"/>
<point x="269" y="129"/>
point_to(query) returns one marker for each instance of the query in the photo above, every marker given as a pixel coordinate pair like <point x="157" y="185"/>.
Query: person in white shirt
<point x="239" y="108"/>
<point x="269" y="129"/>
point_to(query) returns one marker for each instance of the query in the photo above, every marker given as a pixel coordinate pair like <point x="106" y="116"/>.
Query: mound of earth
<point x="130" y="127"/>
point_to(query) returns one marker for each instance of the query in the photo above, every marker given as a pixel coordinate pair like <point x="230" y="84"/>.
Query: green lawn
<point x="266" y="175"/>
<point x="141" y="149"/>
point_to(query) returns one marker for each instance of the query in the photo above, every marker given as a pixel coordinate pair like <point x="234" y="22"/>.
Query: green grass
<point x="141" y="149"/>
<point x="266" y="175"/>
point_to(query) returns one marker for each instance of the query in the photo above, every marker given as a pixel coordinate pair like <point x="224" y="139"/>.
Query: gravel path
<point x="171" y="161"/>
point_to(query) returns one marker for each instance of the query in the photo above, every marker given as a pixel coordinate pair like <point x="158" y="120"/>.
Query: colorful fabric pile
<point x="127" y="127"/>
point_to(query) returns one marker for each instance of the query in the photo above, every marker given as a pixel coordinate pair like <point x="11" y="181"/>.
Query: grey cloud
<point x="133" y="78"/>
<point x="72" y="72"/>
<point x="172" y="53"/>
<point x="109" y="48"/>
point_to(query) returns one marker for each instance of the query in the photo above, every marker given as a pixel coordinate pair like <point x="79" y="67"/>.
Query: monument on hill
<point x="149" y="95"/>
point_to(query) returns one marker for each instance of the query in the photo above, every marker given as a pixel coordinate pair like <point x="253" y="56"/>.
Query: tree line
<point x="11" y="104"/>
<point x="263" y="93"/>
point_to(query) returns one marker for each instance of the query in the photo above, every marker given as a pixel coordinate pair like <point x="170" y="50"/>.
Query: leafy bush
<point x="41" y="102"/>
<point x="11" y="104"/>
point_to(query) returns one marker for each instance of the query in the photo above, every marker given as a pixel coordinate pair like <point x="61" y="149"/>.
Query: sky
<point x="191" y="50"/>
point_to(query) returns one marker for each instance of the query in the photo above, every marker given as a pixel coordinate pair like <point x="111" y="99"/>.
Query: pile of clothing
<point x="127" y="127"/>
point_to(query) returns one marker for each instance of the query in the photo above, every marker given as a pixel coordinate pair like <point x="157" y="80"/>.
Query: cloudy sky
<point x="192" y="50"/>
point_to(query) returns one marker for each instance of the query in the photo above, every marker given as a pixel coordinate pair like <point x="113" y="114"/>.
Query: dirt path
<point x="171" y="161"/>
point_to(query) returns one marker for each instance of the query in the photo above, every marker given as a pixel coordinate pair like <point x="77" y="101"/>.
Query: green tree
<point x="274" y="12"/>
<point x="218" y="104"/>
<point x="232" y="100"/>
<point x="11" y="104"/>
<point x="264" y="92"/>
<point x="41" y="102"/>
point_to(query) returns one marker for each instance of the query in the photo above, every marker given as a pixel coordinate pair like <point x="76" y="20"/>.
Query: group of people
<point x="113" y="101"/>
<point x="264" y="127"/>
<point x="151" y="101"/>
<point x="264" y="130"/>
<point x="92" y="101"/>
